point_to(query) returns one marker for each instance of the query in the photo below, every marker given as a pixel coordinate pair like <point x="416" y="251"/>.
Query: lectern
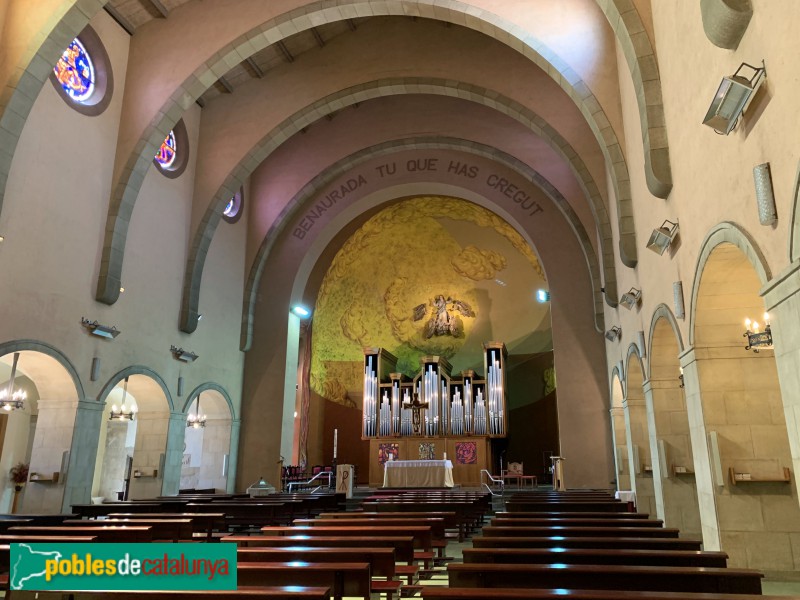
<point x="558" y="473"/>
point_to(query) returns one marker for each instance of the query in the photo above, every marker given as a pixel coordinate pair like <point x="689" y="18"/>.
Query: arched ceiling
<point x="534" y="81"/>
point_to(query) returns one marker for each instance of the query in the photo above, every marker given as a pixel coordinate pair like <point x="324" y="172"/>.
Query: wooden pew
<point x="559" y="541"/>
<point x="575" y="522"/>
<point x="121" y="535"/>
<point x="577" y="506"/>
<point x="605" y="577"/>
<point x="451" y="520"/>
<point x="443" y="593"/>
<point x="343" y="579"/>
<point x="436" y="524"/>
<point x="471" y="515"/>
<point x="381" y="561"/>
<point x="174" y="530"/>
<point x="37" y="518"/>
<point x="570" y="515"/>
<point x="604" y="556"/>
<point x="511" y="531"/>
<point x="92" y="511"/>
<point x="251" y="593"/>
<point x="402" y="545"/>
<point x="203" y="523"/>
<point x="250" y="514"/>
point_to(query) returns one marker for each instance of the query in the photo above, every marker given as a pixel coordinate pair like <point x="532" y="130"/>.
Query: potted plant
<point x="19" y="475"/>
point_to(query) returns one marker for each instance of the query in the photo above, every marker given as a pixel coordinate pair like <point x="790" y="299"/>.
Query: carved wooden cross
<point x="415" y="405"/>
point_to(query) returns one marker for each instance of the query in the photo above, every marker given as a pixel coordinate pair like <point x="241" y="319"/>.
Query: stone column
<point x="171" y="478"/>
<point x="629" y="443"/>
<point x="615" y="413"/>
<point x="83" y="454"/>
<point x="782" y="299"/>
<point x="704" y="480"/>
<point x="655" y="456"/>
<point x="233" y="456"/>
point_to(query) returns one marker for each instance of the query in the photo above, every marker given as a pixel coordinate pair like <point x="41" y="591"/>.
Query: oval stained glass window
<point x="168" y="151"/>
<point x="75" y="72"/>
<point x="231" y="208"/>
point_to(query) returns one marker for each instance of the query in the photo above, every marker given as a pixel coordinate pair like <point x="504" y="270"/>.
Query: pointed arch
<point x="136" y="370"/>
<point x="662" y="311"/>
<point x="209" y="385"/>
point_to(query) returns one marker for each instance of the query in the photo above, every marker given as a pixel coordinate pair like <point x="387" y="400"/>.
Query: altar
<point x="418" y="473"/>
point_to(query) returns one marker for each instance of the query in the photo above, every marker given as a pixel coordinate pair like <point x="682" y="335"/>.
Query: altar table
<point x="418" y="473"/>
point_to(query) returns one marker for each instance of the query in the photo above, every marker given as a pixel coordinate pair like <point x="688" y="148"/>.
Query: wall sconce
<point x="733" y="97"/>
<point x="121" y="413"/>
<point x="631" y="298"/>
<point x="758" y="340"/>
<point x="613" y="334"/>
<point x="183" y="355"/>
<point x="99" y="330"/>
<point x="662" y="237"/>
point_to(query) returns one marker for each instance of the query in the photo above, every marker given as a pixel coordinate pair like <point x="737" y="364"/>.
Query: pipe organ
<point x="462" y="405"/>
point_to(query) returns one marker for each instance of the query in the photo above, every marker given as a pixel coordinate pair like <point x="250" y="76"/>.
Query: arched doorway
<point x="207" y="447"/>
<point x="40" y="433"/>
<point x="639" y="439"/>
<point x="672" y="431"/>
<point x="130" y="455"/>
<point x="757" y="508"/>
<point x="618" y="433"/>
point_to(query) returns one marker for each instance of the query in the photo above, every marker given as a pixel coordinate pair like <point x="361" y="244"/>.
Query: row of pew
<point x="587" y="545"/>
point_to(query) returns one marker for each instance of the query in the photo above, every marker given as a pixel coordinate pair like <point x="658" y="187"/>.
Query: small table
<point x="627" y="496"/>
<point x="418" y="473"/>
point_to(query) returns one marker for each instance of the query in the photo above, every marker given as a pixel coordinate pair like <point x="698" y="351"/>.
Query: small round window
<point x="173" y="154"/>
<point x="233" y="209"/>
<point x="82" y="76"/>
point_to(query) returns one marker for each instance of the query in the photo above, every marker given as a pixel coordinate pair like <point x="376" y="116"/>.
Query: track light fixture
<point x="183" y="355"/>
<point x="631" y="298"/>
<point x="614" y="334"/>
<point x="662" y="238"/>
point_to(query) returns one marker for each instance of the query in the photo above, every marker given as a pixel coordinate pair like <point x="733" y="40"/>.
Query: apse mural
<point x="426" y="276"/>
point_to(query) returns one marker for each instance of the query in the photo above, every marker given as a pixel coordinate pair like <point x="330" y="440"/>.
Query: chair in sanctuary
<point x="515" y="472"/>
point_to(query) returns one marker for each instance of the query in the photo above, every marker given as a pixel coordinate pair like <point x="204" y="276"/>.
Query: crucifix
<point x="415" y="405"/>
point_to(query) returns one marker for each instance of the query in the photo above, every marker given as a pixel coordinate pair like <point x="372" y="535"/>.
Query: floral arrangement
<point x="19" y="473"/>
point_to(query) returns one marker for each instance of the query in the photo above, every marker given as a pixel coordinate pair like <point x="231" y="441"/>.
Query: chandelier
<point x="197" y="420"/>
<point x="11" y="399"/>
<point x="758" y="340"/>
<point x="121" y="413"/>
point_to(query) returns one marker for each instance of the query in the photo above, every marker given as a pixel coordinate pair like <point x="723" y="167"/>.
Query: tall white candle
<point x="335" y="442"/>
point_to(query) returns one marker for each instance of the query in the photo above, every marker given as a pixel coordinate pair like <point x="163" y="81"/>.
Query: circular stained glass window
<point x="168" y="151"/>
<point x="75" y="72"/>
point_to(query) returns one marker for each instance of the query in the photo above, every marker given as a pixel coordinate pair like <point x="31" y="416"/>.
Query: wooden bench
<point x="575" y="522"/>
<point x="443" y="593"/>
<point x="511" y="531"/>
<point x="603" y="556"/>
<point x="577" y="506"/>
<point x="451" y="519"/>
<point x="252" y="593"/>
<point x="174" y="530"/>
<point x="202" y="523"/>
<point x="92" y="511"/>
<point x="559" y="541"/>
<point x="570" y="515"/>
<point x="381" y="561"/>
<point x="38" y="518"/>
<point x="121" y="535"/>
<point x="606" y="577"/>
<point x="343" y="579"/>
<point x="251" y="514"/>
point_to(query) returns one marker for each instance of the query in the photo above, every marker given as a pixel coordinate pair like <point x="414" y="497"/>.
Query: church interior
<point x="562" y="228"/>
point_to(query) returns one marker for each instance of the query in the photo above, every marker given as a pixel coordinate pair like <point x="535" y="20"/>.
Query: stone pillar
<point x="233" y="456"/>
<point x="290" y="387"/>
<point x="782" y="300"/>
<point x="617" y="415"/>
<point x="704" y="480"/>
<point x="83" y="454"/>
<point x="629" y="443"/>
<point x="655" y="456"/>
<point x="171" y="478"/>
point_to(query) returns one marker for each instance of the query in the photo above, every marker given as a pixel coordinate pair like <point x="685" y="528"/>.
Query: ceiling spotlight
<point x="301" y="311"/>
<point x="613" y="334"/>
<point x="542" y="296"/>
<point x="631" y="298"/>
<point x="183" y="355"/>
<point x="121" y="290"/>
<point x="733" y="97"/>
<point x="99" y="330"/>
<point x="200" y="317"/>
<point x="662" y="237"/>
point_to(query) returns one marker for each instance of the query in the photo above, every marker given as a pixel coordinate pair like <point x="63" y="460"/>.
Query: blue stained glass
<point x="168" y="151"/>
<point x="230" y="208"/>
<point x="75" y="72"/>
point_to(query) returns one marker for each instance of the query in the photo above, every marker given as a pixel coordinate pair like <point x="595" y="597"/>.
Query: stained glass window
<point x="168" y="151"/>
<point x="75" y="72"/>
<point x="232" y="209"/>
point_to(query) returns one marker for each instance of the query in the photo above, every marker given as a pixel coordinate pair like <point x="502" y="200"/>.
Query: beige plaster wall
<point x="216" y="444"/>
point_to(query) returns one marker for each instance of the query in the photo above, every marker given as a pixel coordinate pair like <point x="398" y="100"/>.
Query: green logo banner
<point x="76" y="567"/>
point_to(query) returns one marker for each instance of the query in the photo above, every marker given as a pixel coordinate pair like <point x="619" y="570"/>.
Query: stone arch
<point x="662" y="311"/>
<point x="209" y="385"/>
<point x="126" y="189"/>
<point x="725" y="21"/>
<point x="634" y="350"/>
<point x="336" y="170"/>
<point x="136" y="370"/>
<point x="618" y="375"/>
<point x="205" y="232"/>
<point x="52" y="352"/>
<point x="794" y="234"/>
<point x="732" y="234"/>
<point x="643" y="65"/>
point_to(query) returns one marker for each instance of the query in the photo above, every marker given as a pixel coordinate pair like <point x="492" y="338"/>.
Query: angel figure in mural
<point x="444" y="320"/>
